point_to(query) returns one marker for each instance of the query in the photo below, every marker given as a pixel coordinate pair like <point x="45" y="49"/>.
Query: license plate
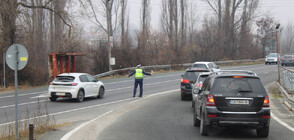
<point x="239" y="102"/>
<point x="60" y="94"/>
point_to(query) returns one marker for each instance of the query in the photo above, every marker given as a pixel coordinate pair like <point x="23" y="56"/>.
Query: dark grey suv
<point x="232" y="98"/>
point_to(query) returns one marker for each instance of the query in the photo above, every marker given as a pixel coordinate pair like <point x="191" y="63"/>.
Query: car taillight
<point x="210" y="101"/>
<point x="282" y="59"/>
<point x="51" y="83"/>
<point x="199" y="85"/>
<point x="74" y="84"/>
<point x="266" y="102"/>
<point x="185" y="81"/>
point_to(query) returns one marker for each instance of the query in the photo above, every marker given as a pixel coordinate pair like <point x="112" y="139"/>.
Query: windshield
<point x="64" y="79"/>
<point x="202" y="78"/>
<point x="191" y="75"/>
<point x="272" y="55"/>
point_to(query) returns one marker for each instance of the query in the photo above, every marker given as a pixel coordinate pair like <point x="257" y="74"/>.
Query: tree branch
<point x="47" y="8"/>
<point x="95" y="16"/>
<point x="212" y="7"/>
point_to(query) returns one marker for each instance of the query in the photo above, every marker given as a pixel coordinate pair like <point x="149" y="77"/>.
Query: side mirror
<point x="217" y="67"/>
<point x="182" y="75"/>
<point x="196" y="91"/>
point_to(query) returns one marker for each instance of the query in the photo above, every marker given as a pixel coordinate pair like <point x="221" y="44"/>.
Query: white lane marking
<point x="41" y="96"/>
<point x="144" y="85"/>
<point x="68" y="111"/>
<point x="155" y="94"/>
<point x="144" y="78"/>
<point x="44" y="95"/>
<point x="82" y="108"/>
<point x="24" y="94"/>
<point x="23" y="104"/>
<point x="282" y="123"/>
<point x="69" y="134"/>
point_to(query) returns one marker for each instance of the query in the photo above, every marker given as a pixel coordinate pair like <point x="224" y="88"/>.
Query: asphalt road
<point x="159" y="115"/>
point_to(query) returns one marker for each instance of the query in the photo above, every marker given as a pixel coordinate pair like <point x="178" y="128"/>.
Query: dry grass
<point x="42" y="122"/>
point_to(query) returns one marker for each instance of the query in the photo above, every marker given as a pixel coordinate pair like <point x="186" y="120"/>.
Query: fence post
<point x="31" y="132"/>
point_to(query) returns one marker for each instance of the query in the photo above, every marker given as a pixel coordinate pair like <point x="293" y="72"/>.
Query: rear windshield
<point x="191" y="75"/>
<point x="64" y="79"/>
<point x="199" y="66"/>
<point x="232" y="85"/>
<point x="202" y="78"/>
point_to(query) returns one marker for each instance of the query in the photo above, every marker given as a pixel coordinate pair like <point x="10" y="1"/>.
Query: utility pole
<point x="278" y="51"/>
<point x="4" y="61"/>
<point x="109" y="33"/>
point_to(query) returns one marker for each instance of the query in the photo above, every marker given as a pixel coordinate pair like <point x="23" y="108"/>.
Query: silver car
<point x="198" y="84"/>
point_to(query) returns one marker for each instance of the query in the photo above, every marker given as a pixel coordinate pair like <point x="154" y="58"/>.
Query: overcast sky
<point x="282" y="10"/>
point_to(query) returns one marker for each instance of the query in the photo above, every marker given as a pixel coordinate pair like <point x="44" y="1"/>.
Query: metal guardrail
<point x="172" y="67"/>
<point x="287" y="78"/>
<point x="288" y="100"/>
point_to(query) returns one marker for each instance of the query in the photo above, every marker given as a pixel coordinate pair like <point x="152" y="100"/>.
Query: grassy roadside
<point x="42" y="121"/>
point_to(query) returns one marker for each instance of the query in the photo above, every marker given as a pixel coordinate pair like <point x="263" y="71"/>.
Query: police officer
<point x="139" y="79"/>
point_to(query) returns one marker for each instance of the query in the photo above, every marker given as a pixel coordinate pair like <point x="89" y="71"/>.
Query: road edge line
<point x="70" y="133"/>
<point x="282" y="123"/>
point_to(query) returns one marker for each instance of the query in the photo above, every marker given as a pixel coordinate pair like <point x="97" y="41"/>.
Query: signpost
<point x="16" y="59"/>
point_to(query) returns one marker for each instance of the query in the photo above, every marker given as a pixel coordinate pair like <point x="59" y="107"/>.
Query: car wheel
<point x="196" y="122"/>
<point x="183" y="97"/>
<point x="81" y="96"/>
<point x="193" y="104"/>
<point x="203" y="127"/>
<point x="53" y="99"/>
<point x="263" y="132"/>
<point x="101" y="92"/>
<point x="265" y="63"/>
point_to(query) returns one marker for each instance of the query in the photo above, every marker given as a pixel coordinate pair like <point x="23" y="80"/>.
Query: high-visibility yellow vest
<point x="139" y="74"/>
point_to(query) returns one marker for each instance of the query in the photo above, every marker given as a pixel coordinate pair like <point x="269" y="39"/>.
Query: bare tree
<point x="110" y="14"/>
<point x="266" y="31"/>
<point x="287" y="41"/>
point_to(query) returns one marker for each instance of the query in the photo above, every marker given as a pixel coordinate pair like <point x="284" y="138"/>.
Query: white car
<point x="271" y="58"/>
<point x="76" y="86"/>
<point x="208" y="65"/>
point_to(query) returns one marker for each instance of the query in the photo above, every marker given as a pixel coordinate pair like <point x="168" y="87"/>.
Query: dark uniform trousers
<point x="140" y="83"/>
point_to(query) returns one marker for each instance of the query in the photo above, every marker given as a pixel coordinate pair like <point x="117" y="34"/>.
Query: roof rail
<point x="235" y="71"/>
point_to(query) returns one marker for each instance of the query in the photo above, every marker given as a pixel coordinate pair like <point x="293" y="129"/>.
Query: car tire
<point x="196" y="122"/>
<point x="193" y="104"/>
<point x="183" y="97"/>
<point x="53" y="99"/>
<point x="101" y="93"/>
<point x="263" y="132"/>
<point x="265" y="63"/>
<point x="203" y="127"/>
<point x="80" y="96"/>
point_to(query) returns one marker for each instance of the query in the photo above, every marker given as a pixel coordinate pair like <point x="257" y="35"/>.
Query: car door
<point x="86" y="85"/>
<point x="199" y="98"/>
<point x="94" y="85"/>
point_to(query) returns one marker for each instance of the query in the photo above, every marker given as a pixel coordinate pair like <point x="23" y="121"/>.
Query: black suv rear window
<point x="232" y="85"/>
<point x="191" y="75"/>
<point x="64" y="79"/>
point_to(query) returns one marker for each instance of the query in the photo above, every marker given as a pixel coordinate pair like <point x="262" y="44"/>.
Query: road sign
<point x="16" y="58"/>
<point x="112" y="61"/>
<point x="22" y="56"/>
